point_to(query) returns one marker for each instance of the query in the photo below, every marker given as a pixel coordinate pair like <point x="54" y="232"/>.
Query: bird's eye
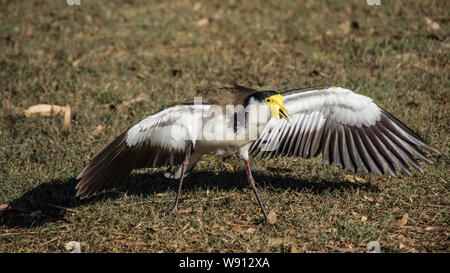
<point x="267" y="100"/>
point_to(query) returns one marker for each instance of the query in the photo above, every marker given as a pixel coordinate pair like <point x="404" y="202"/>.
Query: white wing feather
<point x="169" y="128"/>
<point x="348" y="129"/>
<point x="156" y="141"/>
<point x="335" y="103"/>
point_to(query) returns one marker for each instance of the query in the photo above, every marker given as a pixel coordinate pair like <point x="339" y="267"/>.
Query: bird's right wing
<point x="161" y="139"/>
<point x="349" y="129"/>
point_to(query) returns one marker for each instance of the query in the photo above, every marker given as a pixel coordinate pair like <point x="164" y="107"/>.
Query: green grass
<point x="112" y="51"/>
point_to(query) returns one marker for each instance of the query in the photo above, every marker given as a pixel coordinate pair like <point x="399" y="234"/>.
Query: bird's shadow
<point x="49" y="201"/>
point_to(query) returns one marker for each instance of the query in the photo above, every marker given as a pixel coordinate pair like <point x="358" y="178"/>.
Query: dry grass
<point x="113" y="51"/>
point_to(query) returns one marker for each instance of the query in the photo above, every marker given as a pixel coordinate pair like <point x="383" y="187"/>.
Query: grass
<point x="112" y="51"/>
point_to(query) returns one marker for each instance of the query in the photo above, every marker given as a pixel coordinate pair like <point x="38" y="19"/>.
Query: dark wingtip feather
<point x="386" y="147"/>
<point x="110" y="168"/>
<point x="412" y="136"/>
<point x="105" y="170"/>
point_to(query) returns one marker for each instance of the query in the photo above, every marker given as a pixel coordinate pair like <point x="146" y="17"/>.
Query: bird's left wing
<point x="349" y="129"/>
<point x="161" y="139"/>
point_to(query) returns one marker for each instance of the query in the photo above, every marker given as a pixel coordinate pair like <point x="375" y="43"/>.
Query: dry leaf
<point x="187" y="210"/>
<point x="272" y="217"/>
<point x="197" y="6"/>
<point x="229" y="167"/>
<point x="342" y="249"/>
<point x="370" y="199"/>
<point x="406" y="57"/>
<point x="404" y="220"/>
<point x="45" y="110"/>
<point x="67" y="118"/>
<point x="76" y="62"/>
<point x="364" y="219"/>
<point x="202" y="22"/>
<point x="265" y="250"/>
<point x="139" y="98"/>
<point x="346" y="249"/>
<point x="98" y="130"/>
<point x="354" y="178"/>
<point x="250" y="230"/>
<point x="432" y="24"/>
<point x="345" y="27"/>
<point x="273" y="242"/>
<point x="294" y="249"/>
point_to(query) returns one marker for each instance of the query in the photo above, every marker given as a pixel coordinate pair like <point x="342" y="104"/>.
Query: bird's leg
<point x="252" y="184"/>
<point x="183" y="170"/>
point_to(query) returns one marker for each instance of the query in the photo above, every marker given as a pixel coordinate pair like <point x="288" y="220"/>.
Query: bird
<point x="348" y="129"/>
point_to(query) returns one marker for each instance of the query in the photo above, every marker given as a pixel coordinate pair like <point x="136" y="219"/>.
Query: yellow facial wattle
<point x="276" y="106"/>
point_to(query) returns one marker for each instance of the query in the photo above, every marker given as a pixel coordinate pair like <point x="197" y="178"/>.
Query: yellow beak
<point x="276" y="107"/>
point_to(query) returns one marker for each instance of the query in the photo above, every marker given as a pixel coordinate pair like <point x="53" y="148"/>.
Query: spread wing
<point x="161" y="139"/>
<point x="349" y="130"/>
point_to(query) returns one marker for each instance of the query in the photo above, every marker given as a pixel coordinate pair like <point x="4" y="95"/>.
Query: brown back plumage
<point x="227" y="96"/>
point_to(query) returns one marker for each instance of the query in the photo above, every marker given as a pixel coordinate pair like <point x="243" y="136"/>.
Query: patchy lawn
<point x="99" y="56"/>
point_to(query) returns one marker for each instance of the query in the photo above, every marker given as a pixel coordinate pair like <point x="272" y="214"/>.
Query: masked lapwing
<point x="348" y="129"/>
